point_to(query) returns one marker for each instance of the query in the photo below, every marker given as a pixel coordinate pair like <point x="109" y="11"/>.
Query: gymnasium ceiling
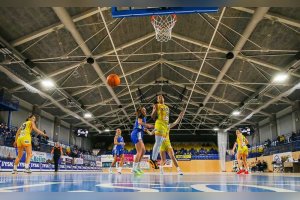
<point x="151" y="67"/>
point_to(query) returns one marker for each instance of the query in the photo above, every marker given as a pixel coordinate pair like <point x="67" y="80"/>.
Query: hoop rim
<point x="153" y="17"/>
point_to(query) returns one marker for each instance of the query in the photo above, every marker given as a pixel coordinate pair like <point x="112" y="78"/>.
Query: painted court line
<point x="205" y="188"/>
<point x="130" y="188"/>
<point x="27" y="186"/>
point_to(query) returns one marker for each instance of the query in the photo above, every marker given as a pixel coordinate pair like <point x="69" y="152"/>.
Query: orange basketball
<point x="113" y="80"/>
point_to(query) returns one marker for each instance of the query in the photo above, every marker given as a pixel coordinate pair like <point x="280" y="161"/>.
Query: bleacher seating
<point x="198" y="150"/>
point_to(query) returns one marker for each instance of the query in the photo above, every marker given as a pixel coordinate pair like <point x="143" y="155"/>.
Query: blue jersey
<point x="119" y="146"/>
<point x="137" y="125"/>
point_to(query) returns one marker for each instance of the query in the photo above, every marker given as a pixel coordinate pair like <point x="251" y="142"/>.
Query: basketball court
<point x="152" y="182"/>
<point x="85" y="72"/>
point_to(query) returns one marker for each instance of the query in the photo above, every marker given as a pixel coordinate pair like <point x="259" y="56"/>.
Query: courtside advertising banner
<point x="78" y="161"/>
<point x="145" y="162"/>
<point x="98" y="163"/>
<point x="38" y="156"/>
<point x="66" y="160"/>
<point x="107" y="158"/>
<point x="184" y="157"/>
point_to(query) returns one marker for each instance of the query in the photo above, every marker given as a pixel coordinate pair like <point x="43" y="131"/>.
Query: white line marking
<point x="27" y="186"/>
<point x="80" y="191"/>
<point x="170" y="187"/>
<point x="133" y="183"/>
<point x="130" y="188"/>
<point x="204" y="188"/>
<point x="265" y="187"/>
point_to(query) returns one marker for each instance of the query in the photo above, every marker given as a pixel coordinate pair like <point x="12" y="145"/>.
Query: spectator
<point x="259" y="166"/>
<point x="293" y="137"/>
<point x="57" y="153"/>
<point x="254" y="166"/>
<point x="282" y="139"/>
<point x="268" y="143"/>
<point x="278" y="139"/>
<point x="264" y="165"/>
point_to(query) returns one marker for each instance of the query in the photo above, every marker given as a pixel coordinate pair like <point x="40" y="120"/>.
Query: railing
<point x="286" y="147"/>
<point x="11" y="104"/>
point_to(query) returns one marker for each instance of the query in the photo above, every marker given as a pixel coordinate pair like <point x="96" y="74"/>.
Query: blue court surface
<point x="154" y="182"/>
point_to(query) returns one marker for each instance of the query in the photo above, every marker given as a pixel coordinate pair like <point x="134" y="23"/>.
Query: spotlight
<point x="236" y="113"/>
<point x="47" y="83"/>
<point x="279" y="78"/>
<point x="90" y="60"/>
<point x="229" y="55"/>
<point x="216" y="129"/>
<point x="106" y="130"/>
<point x="87" y="115"/>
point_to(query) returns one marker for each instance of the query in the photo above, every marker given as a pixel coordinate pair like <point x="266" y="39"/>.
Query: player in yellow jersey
<point x="23" y="141"/>
<point x="242" y="152"/>
<point x="161" y="127"/>
<point x="167" y="148"/>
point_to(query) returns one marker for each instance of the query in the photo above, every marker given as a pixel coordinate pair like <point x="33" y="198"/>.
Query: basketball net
<point x="163" y="25"/>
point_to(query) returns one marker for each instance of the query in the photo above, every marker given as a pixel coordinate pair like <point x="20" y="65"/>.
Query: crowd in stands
<point x="7" y="135"/>
<point x="180" y="148"/>
<point x="283" y="139"/>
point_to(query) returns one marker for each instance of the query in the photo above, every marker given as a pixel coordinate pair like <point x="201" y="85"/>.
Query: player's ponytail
<point x="29" y="117"/>
<point x="139" y="111"/>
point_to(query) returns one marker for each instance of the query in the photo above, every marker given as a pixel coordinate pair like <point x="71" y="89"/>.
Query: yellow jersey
<point x="241" y="142"/>
<point x="163" y="113"/>
<point x="26" y="129"/>
<point x="24" y="138"/>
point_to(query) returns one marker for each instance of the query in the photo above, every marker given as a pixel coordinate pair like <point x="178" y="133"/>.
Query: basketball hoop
<point x="163" y="25"/>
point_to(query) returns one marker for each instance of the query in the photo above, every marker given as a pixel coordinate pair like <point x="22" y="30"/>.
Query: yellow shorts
<point x="166" y="145"/>
<point x="243" y="150"/>
<point x="161" y="128"/>
<point x="24" y="141"/>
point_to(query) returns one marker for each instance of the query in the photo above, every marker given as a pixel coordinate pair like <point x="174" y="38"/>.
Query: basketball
<point x="113" y="80"/>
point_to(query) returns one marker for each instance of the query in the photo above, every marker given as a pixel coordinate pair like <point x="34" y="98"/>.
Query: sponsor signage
<point x="34" y="165"/>
<point x="184" y="157"/>
<point x="127" y="158"/>
<point x="38" y="156"/>
<point x="45" y="166"/>
<point x="7" y="165"/>
<point x="107" y="158"/>
<point x="145" y="162"/>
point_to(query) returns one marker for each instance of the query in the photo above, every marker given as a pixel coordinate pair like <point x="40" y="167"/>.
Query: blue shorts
<point x="136" y="135"/>
<point x="118" y="152"/>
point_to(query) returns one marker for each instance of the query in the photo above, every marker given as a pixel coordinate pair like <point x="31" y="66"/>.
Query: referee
<point x="57" y="153"/>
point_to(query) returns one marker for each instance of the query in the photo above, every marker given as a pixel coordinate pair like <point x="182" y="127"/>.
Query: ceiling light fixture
<point x="87" y="115"/>
<point x="236" y="113"/>
<point x="279" y="78"/>
<point x="216" y="129"/>
<point x="47" y="83"/>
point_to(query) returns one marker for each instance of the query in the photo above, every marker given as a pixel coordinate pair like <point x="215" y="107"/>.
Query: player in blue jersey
<point x="137" y="138"/>
<point x="118" y="151"/>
